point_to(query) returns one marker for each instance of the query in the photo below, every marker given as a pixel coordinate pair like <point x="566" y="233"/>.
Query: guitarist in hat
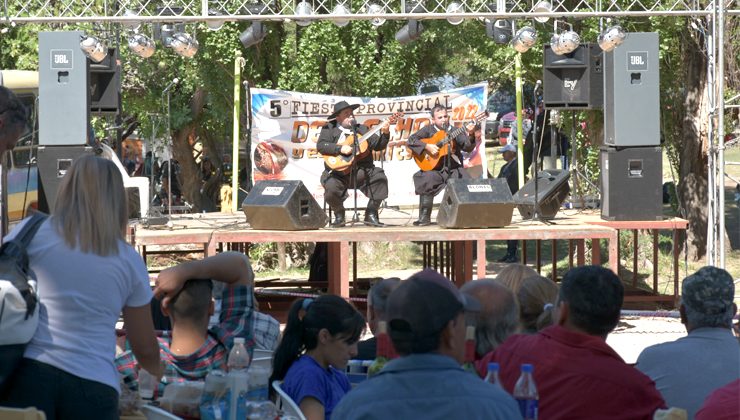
<point x="370" y="179"/>
<point x="428" y="183"/>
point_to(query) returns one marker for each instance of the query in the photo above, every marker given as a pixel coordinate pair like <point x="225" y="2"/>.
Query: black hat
<point x="339" y="106"/>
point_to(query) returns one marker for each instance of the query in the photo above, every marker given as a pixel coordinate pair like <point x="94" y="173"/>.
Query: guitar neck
<point x="370" y="132"/>
<point x="457" y="131"/>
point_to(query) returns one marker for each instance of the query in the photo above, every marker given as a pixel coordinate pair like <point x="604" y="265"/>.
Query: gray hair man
<point x="377" y="300"/>
<point x="687" y="370"/>
<point x="498" y="317"/>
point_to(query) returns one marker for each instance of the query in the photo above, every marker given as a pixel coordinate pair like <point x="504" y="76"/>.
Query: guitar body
<point x="427" y="162"/>
<point x="343" y="163"/>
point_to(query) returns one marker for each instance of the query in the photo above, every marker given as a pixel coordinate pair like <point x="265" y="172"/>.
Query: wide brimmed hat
<point x="339" y="106"/>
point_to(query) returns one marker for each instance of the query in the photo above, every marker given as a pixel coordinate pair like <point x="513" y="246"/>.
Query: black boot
<point x="371" y="214"/>
<point x="338" y="218"/>
<point x="425" y="210"/>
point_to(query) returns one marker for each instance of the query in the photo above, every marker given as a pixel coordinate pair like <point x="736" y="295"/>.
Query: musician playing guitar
<point x="370" y="179"/>
<point x="427" y="183"/>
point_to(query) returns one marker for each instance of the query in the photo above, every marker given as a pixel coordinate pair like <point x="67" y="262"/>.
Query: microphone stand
<point x="353" y="174"/>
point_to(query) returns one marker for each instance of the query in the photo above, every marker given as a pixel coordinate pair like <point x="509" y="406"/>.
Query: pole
<point x="519" y="129"/>
<point x="238" y="63"/>
<point x="721" y="129"/>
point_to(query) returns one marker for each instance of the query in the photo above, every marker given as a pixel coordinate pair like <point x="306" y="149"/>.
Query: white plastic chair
<point x="285" y="403"/>
<point x="155" y="413"/>
<point x="265" y="362"/>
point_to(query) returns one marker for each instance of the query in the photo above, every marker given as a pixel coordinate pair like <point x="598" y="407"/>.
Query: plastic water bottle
<point x="238" y="362"/>
<point x="525" y="393"/>
<point x="492" y="375"/>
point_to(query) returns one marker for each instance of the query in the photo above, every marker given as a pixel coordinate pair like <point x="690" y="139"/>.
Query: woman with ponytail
<point x="320" y="337"/>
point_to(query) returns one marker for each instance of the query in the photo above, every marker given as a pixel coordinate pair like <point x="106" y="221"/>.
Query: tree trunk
<point x="182" y="149"/>
<point x="692" y="185"/>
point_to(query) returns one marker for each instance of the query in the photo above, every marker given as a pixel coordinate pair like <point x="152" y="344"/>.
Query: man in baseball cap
<point x="426" y="320"/>
<point x="687" y="370"/>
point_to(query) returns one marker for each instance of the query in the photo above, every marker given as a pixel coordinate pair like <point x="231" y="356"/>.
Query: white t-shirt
<point x="81" y="296"/>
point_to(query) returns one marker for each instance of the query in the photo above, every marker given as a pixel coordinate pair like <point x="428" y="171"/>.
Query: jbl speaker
<point x="53" y="164"/>
<point x="574" y="80"/>
<point x="476" y="203"/>
<point x="552" y="190"/>
<point x="631" y="183"/>
<point x="283" y="205"/>
<point x="632" y="85"/>
<point x="105" y="84"/>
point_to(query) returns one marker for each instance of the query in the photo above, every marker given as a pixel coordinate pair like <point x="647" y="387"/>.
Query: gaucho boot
<point x="338" y="218"/>
<point x="371" y="214"/>
<point x="425" y="210"/>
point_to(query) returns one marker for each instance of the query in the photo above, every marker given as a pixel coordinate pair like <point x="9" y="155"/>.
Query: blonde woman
<point x="536" y="298"/>
<point x="87" y="275"/>
<point x="513" y="275"/>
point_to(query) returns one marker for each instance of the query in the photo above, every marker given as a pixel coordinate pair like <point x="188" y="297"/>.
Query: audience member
<point x="577" y="374"/>
<point x="377" y="298"/>
<point x="87" y="274"/>
<point x="685" y="371"/>
<point x="426" y="316"/>
<point x="265" y="330"/>
<point x="319" y="339"/>
<point x="13" y="119"/>
<point x="722" y="404"/>
<point x="498" y="317"/>
<point x="191" y="349"/>
<point x="513" y="275"/>
<point x="536" y="299"/>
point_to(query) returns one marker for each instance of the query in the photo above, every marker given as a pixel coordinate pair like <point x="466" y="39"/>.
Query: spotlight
<point x="454" y="8"/>
<point x="253" y="35"/>
<point x="569" y="41"/>
<point x="524" y="39"/>
<point x="409" y="32"/>
<point x="376" y="9"/>
<point x="340" y="9"/>
<point x="500" y="30"/>
<point x="141" y="45"/>
<point x="215" y="25"/>
<point x="93" y="48"/>
<point x="611" y="38"/>
<point x="303" y="8"/>
<point x="184" y="44"/>
<point x="542" y="7"/>
<point x="555" y="44"/>
<point x="131" y="24"/>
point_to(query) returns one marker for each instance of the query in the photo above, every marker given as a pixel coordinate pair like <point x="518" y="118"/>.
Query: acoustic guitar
<point x="343" y="163"/>
<point x="445" y="143"/>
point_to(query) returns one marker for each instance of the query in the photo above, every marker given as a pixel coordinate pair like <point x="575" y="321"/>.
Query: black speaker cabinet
<point x="574" y="80"/>
<point x="631" y="183"/>
<point x="552" y="190"/>
<point x="476" y="203"/>
<point x="133" y="202"/>
<point x="283" y="205"/>
<point x="104" y="82"/>
<point x="53" y="163"/>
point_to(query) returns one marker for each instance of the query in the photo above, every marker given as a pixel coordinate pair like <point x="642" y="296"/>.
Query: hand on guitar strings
<point x="431" y="149"/>
<point x="346" y="150"/>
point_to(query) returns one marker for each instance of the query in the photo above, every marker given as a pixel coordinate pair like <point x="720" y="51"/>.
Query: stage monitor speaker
<point x="631" y="183"/>
<point x="632" y="86"/>
<point x="552" y="190"/>
<point x="53" y="163"/>
<point x="283" y="205"/>
<point x="476" y="203"/>
<point x="574" y="80"/>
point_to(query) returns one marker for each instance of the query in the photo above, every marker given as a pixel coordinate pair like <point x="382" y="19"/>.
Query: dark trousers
<point x="370" y="180"/>
<point x="60" y="395"/>
<point x="511" y="246"/>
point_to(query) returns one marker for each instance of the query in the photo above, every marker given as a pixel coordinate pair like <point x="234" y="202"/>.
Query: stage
<point x="450" y="251"/>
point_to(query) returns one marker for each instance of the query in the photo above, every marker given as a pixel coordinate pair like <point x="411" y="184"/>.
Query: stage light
<point x="542" y="7"/>
<point x="376" y="9"/>
<point x="569" y="41"/>
<point x="131" y="24"/>
<point x="93" y="48"/>
<point x="253" y="35"/>
<point x="499" y="31"/>
<point x="141" y="45"/>
<point x="409" y="32"/>
<point x="524" y="39"/>
<point x="454" y="8"/>
<point x="215" y="25"/>
<point x="340" y="9"/>
<point x="184" y="44"/>
<point x="611" y="38"/>
<point x="303" y="8"/>
<point x="555" y="44"/>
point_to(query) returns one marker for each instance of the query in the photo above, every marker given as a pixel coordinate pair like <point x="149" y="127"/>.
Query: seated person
<point x="320" y="337"/>
<point x="498" y="317"/>
<point x="377" y="298"/>
<point x="722" y="404"/>
<point x="513" y="275"/>
<point x="536" y="298"/>
<point x="191" y="349"/>
<point x="426" y="316"/>
<point x="265" y="329"/>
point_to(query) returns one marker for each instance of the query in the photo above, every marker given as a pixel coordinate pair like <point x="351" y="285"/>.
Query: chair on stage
<point x="285" y="403"/>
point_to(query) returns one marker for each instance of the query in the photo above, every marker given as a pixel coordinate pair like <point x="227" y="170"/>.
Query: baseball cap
<point x="709" y="291"/>
<point x="423" y="304"/>
<point x="508" y="148"/>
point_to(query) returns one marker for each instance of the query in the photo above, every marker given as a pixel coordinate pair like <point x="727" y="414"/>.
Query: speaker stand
<point x="575" y="172"/>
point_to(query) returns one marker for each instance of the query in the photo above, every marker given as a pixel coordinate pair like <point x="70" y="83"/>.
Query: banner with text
<point x="286" y="126"/>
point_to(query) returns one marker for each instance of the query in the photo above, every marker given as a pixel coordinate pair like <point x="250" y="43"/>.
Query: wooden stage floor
<point x="208" y="231"/>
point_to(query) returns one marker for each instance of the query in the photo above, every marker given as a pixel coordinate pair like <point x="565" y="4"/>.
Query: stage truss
<point x="192" y="11"/>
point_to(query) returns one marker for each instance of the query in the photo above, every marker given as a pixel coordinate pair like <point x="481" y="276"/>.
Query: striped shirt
<point x="237" y="309"/>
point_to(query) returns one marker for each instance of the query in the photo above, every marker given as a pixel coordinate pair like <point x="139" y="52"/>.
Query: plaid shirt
<point x="266" y="331"/>
<point x="237" y="310"/>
